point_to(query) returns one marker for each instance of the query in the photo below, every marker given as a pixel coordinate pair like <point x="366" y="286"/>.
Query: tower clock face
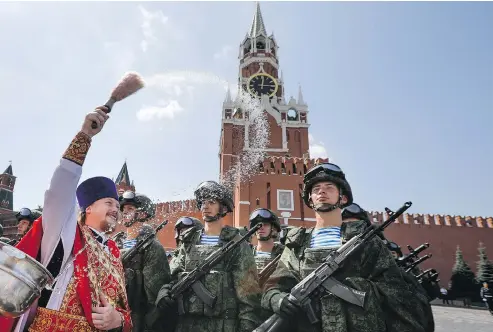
<point x="262" y="84"/>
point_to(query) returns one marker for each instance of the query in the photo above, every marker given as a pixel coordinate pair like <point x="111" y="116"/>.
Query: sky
<point x="400" y="94"/>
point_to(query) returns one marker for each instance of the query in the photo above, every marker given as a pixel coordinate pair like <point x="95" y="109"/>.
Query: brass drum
<point x="22" y="279"/>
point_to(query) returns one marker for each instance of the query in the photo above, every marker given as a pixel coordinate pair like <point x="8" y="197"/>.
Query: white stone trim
<point x="297" y="125"/>
<point x="290" y="192"/>
<point x="252" y="59"/>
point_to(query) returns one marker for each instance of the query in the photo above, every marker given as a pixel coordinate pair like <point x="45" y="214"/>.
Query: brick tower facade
<point x="7" y="184"/>
<point x="278" y="183"/>
<point x="7" y="213"/>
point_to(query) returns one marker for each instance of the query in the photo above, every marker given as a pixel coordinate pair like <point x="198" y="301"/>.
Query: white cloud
<point x="317" y="149"/>
<point x="147" y="26"/>
<point x="176" y="88"/>
<point x="224" y="53"/>
<point x="184" y="77"/>
<point x="164" y="109"/>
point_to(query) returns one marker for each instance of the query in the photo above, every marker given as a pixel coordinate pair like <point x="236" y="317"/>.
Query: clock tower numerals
<point x="262" y="84"/>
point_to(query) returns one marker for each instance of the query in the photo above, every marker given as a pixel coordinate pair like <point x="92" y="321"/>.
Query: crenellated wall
<point x="436" y="219"/>
<point x="444" y="233"/>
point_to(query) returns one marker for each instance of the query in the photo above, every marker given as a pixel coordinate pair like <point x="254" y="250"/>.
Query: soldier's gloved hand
<point x="164" y="299"/>
<point x="287" y="309"/>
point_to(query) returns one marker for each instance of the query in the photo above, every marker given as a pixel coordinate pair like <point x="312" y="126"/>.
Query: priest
<point x="89" y="290"/>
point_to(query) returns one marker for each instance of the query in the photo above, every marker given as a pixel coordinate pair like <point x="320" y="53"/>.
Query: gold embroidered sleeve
<point x="78" y="148"/>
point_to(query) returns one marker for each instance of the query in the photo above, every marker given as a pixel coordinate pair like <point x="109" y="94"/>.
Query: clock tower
<point x="278" y="183"/>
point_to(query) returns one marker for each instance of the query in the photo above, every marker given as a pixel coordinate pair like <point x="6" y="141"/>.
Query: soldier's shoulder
<point x="156" y="246"/>
<point x="191" y="234"/>
<point x="228" y="233"/>
<point x="278" y="248"/>
<point x="296" y="237"/>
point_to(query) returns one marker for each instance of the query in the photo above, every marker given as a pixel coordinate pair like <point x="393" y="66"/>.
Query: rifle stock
<point x="312" y="286"/>
<point x="268" y="270"/>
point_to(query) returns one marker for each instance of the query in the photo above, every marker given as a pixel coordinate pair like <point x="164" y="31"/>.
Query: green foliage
<point x="485" y="267"/>
<point x="463" y="281"/>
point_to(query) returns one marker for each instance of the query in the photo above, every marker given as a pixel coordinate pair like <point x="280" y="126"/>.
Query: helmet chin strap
<point x="326" y="207"/>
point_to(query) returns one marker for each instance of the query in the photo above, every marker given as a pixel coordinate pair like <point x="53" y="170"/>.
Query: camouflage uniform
<point x="262" y="262"/>
<point x="234" y="281"/>
<point x="144" y="275"/>
<point x="391" y="303"/>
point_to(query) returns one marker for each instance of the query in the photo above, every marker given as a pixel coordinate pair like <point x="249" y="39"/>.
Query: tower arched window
<point x="237" y="113"/>
<point x="260" y="45"/>
<point x="247" y="47"/>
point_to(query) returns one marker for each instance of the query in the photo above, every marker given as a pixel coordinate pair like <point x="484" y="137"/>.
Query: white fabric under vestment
<point x="59" y="222"/>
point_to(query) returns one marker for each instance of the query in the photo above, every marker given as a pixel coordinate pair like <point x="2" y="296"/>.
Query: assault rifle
<point x="320" y="280"/>
<point x="142" y="244"/>
<point x="404" y="261"/>
<point x="192" y="279"/>
<point x="416" y="262"/>
<point x="430" y="274"/>
<point x="268" y="270"/>
<point x="411" y="260"/>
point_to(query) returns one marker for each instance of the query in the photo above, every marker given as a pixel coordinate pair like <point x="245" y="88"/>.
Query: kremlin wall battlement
<point x="177" y="209"/>
<point x="435" y="220"/>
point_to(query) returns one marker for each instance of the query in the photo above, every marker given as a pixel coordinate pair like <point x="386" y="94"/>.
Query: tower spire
<point x="8" y="170"/>
<point x="228" y="99"/>
<point x="258" y="26"/>
<point x="301" y="101"/>
<point x="123" y="177"/>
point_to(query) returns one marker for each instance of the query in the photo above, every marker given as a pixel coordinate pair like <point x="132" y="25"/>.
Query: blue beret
<point x="94" y="189"/>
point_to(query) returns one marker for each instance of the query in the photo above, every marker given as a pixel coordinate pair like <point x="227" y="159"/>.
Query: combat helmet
<point x="331" y="173"/>
<point x="211" y="190"/>
<point x="265" y="215"/>
<point x="355" y="211"/>
<point x="27" y="214"/>
<point x="145" y="208"/>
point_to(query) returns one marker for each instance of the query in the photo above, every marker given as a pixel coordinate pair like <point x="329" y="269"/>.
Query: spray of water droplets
<point x="247" y="163"/>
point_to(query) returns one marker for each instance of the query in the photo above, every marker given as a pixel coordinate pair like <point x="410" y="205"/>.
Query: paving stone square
<point x="451" y="319"/>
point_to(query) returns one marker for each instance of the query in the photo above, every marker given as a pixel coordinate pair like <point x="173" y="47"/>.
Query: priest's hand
<point x="106" y="317"/>
<point x="98" y="116"/>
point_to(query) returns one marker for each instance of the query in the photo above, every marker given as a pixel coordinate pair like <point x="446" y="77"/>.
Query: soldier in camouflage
<point x="267" y="249"/>
<point x="234" y="281"/>
<point x="391" y="303"/>
<point x="354" y="212"/>
<point x="184" y="223"/>
<point x="181" y="226"/>
<point x="148" y="270"/>
<point x="25" y="217"/>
